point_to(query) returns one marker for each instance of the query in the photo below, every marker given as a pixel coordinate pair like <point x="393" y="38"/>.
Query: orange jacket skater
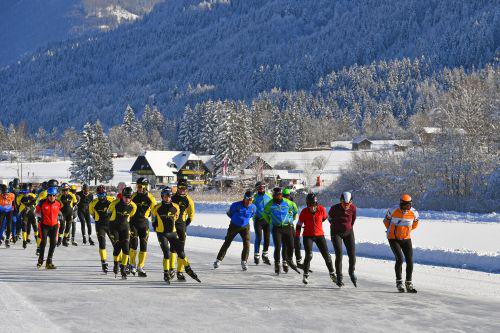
<point x="6" y="211"/>
<point x="399" y="223"/>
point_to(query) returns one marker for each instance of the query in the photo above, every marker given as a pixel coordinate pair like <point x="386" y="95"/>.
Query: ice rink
<point x="78" y="297"/>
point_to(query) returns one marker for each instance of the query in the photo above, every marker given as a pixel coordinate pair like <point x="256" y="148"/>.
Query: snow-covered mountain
<point x="26" y="25"/>
<point x="187" y="51"/>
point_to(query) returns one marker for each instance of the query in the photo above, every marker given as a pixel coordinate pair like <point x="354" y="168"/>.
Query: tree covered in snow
<point x="154" y="127"/>
<point x="457" y="166"/>
<point x="92" y="160"/>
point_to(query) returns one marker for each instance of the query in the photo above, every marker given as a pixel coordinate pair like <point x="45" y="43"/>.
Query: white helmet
<point x="346" y="197"/>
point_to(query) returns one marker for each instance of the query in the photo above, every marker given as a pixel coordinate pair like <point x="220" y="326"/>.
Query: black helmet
<point x="182" y="182"/>
<point x="85" y="187"/>
<point x="100" y="189"/>
<point x="142" y="181"/>
<point x="311" y="199"/>
<point x="248" y="195"/>
<point x="3" y="188"/>
<point x="52" y="183"/>
<point x="64" y="186"/>
<point x="44" y="185"/>
<point x="15" y="183"/>
<point x="277" y="191"/>
<point x="127" y="192"/>
<point x="166" y="191"/>
<point x="259" y="184"/>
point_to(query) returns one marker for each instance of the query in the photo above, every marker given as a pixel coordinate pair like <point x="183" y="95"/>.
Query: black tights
<point x="297" y="246"/>
<point x="402" y="247"/>
<point x="29" y="221"/>
<point x="102" y="229"/>
<point x="323" y="249"/>
<point x="84" y="217"/>
<point x="8" y="221"/>
<point x="139" y="234"/>
<point x="283" y="234"/>
<point x="170" y="240"/>
<point x="262" y="230"/>
<point x="120" y="235"/>
<point x="350" y="245"/>
<point x="51" y="232"/>
<point x="232" y="231"/>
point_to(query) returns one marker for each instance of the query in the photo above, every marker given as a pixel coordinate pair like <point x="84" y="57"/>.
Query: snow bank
<point x="222" y="207"/>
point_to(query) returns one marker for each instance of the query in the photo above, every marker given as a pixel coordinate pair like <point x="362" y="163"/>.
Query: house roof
<point x="438" y="130"/>
<point x="431" y="130"/>
<point x="390" y="143"/>
<point x="208" y="160"/>
<point x="168" y="163"/>
<point x="341" y="144"/>
<point x="252" y="159"/>
<point x="360" y="139"/>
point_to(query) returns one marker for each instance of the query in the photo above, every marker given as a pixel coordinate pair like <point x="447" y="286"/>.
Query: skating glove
<point x="188" y="221"/>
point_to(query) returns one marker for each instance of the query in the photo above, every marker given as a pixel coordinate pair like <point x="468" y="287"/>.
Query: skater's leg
<point x="323" y="249"/>
<point x="245" y="237"/>
<point x="407" y="248"/>
<point x="232" y="231"/>
<point x="308" y="248"/>
<point x="337" y="247"/>
<point x="398" y="254"/>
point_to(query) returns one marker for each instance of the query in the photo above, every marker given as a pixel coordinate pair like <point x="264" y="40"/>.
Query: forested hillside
<point x="26" y="25"/>
<point x="190" y="51"/>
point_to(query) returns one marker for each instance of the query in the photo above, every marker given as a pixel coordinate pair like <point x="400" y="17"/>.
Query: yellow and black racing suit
<point x="120" y="214"/>
<point x="98" y="208"/>
<point x="186" y="215"/>
<point x="139" y="226"/>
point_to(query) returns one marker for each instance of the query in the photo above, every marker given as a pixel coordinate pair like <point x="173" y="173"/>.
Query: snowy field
<point x="41" y="171"/>
<point x="77" y="297"/>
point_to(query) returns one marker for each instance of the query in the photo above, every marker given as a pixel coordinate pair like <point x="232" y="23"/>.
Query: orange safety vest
<point x="399" y="224"/>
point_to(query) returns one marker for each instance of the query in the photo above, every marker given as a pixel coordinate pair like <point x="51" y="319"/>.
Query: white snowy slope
<point x="40" y="171"/>
<point x="77" y="297"/>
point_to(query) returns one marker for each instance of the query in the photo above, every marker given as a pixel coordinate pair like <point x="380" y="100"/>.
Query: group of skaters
<point x="18" y="204"/>
<point x="52" y="209"/>
<point x="276" y="214"/>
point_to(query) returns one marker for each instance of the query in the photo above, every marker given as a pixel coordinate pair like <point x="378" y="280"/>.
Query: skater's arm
<point x="353" y="214"/>
<point x="387" y="219"/>
<point x="190" y="211"/>
<point x="416" y="220"/>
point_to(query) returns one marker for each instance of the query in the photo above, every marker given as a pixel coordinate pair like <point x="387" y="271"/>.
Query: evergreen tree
<point x="187" y="125"/>
<point x="92" y="159"/>
<point x="104" y="162"/>
<point x="230" y="148"/>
